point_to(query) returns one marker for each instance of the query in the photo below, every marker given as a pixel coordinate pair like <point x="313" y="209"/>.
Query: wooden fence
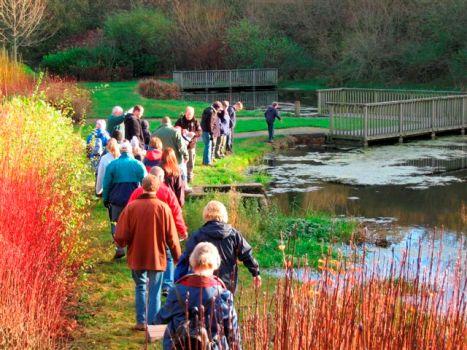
<point x="352" y="95"/>
<point x="229" y="78"/>
<point x="383" y="120"/>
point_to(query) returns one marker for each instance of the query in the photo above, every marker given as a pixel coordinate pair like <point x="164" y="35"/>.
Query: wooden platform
<point x="244" y="190"/>
<point x="225" y="79"/>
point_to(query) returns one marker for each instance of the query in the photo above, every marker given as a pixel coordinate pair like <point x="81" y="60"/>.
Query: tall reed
<point x="13" y="78"/>
<point x="387" y="304"/>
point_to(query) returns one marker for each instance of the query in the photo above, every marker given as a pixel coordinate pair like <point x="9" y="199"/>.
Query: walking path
<point x="288" y="131"/>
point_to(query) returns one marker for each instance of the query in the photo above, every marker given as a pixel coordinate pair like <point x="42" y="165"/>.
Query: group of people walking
<point x="142" y="178"/>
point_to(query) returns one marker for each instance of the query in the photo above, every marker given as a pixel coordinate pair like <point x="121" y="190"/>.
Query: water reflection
<point x="415" y="183"/>
<point x="257" y="99"/>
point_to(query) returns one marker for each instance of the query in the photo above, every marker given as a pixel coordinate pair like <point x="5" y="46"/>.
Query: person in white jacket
<point x="113" y="152"/>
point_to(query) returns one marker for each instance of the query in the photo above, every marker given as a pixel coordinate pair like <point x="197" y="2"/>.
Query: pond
<point x="255" y="99"/>
<point x="403" y="193"/>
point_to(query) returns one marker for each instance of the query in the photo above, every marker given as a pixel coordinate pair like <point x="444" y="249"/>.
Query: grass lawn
<point x="107" y="95"/>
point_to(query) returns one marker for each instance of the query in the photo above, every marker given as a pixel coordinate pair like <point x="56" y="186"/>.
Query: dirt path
<point x="288" y="131"/>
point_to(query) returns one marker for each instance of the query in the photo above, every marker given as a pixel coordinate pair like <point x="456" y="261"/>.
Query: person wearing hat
<point x="122" y="176"/>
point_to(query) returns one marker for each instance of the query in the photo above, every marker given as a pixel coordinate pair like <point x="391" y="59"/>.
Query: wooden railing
<point x="235" y="78"/>
<point x="352" y="95"/>
<point x="370" y="121"/>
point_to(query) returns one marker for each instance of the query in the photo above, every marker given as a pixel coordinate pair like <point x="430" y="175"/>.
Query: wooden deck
<point x="225" y="79"/>
<point x="411" y="116"/>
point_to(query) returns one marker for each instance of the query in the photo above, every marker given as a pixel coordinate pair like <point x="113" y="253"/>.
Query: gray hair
<point x="125" y="147"/>
<point x="158" y="172"/>
<point x="205" y="256"/>
<point x="117" y="110"/>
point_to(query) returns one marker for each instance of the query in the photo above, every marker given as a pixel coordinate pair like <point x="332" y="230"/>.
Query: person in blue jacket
<point x="200" y="296"/>
<point x="122" y="176"/>
<point x="271" y="114"/>
<point x="231" y="244"/>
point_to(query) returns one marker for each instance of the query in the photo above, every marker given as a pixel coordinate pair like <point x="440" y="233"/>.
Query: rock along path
<point x="287" y="131"/>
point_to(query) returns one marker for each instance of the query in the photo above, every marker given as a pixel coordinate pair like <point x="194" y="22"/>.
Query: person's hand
<point x="106" y="204"/>
<point x="257" y="281"/>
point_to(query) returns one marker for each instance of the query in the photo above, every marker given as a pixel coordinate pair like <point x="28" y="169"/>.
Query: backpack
<point x="192" y="333"/>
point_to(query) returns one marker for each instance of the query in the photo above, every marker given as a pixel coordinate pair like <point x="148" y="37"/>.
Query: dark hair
<point x="217" y="105"/>
<point x="117" y="135"/>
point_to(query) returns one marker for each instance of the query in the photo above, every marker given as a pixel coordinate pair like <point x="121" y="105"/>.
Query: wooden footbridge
<point x="225" y="79"/>
<point x="364" y="115"/>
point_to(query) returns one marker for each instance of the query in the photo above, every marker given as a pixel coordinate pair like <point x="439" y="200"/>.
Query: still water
<point x="410" y="193"/>
<point x="257" y="99"/>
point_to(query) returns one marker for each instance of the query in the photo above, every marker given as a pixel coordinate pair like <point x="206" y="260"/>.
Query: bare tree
<point x="22" y="23"/>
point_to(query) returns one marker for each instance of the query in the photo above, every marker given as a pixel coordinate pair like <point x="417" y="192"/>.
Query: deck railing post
<point x="365" y="129"/>
<point x="433" y="116"/>
<point x="464" y="114"/>
<point x="401" y="128"/>
<point x="331" y="122"/>
<point x="320" y="111"/>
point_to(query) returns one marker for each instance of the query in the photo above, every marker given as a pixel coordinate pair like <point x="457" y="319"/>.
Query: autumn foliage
<point x="41" y="207"/>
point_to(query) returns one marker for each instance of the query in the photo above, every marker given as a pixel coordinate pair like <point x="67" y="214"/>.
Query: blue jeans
<point x="169" y="272"/>
<point x="270" y="130"/>
<point x="207" y="148"/>
<point x="145" y="279"/>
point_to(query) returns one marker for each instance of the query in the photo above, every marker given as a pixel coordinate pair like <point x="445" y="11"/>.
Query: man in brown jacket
<point x="146" y="226"/>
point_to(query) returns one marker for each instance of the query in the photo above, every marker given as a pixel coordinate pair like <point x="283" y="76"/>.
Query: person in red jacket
<point x="166" y="195"/>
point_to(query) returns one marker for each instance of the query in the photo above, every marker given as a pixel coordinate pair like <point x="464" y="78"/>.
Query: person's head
<point x="225" y="104"/>
<point x="155" y="143"/>
<point x="101" y="124"/>
<point x="158" y="172"/>
<point x="238" y="106"/>
<point x="150" y="184"/>
<point x="117" y="135"/>
<point x="117" y="111"/>
<point x="166" y="121"/>
<point x="205" y="259"/>
<point x="144" y="125"/>
<point x="275" y="105"/>
<point x="170" y="163"/>
<point x="113" y="148"/>
<point x="215" y="211"/>
<point x="189" y="113"/>
<point x="217" y="106"/>
<point x="125" y="147"/>
<point x="138" y="111"/>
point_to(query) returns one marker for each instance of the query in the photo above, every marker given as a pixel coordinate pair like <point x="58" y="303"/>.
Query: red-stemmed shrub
<point x="158" y="89"/>
<point x="41" y="208"/>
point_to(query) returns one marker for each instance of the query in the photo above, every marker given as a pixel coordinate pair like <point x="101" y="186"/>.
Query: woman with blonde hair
<point x="113" y="152"/>
<point x="200" y="296"/>
<point x="173" y="175"/>
<point x="231" y="244"/>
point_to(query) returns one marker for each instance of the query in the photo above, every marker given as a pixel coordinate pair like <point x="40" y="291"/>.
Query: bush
<point x="42" y="206"/>
<point x="14" y="80"/>
<point x="250" y="46"/>
<point x="87" y="63"/>
<point x="67" y="97"/>
<point x="141" y="39"/>
<point x="158" y="89"/>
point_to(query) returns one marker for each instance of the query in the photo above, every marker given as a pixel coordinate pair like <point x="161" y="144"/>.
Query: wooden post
<point x="433" y="116"/>
<point x="320" y="109"/>
<point x="331" y="122"/>
<point x="401" y="140"/>
<point x="206" y="79"/>
<point x="464" y="114"/>
<point x="297" y="108"/>
<point x="365" y="130"/>
<point x="254" y="79"/>
<point x="230" y="80"/>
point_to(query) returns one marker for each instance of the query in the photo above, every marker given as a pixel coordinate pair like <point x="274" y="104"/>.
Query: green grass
<point x="107" y="95"/>
<point x="317" y="84"/>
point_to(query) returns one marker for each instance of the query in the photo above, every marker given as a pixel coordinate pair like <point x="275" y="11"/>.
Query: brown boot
<point x="139" y="327"/>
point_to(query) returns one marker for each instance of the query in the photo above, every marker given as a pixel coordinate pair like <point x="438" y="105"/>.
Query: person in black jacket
<point x="231" y="244"/>
<point x="271" y="114"/>
<point x="132" y="124"/>
<point x="232" y="110"/>
<point x="207" y="118"/>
